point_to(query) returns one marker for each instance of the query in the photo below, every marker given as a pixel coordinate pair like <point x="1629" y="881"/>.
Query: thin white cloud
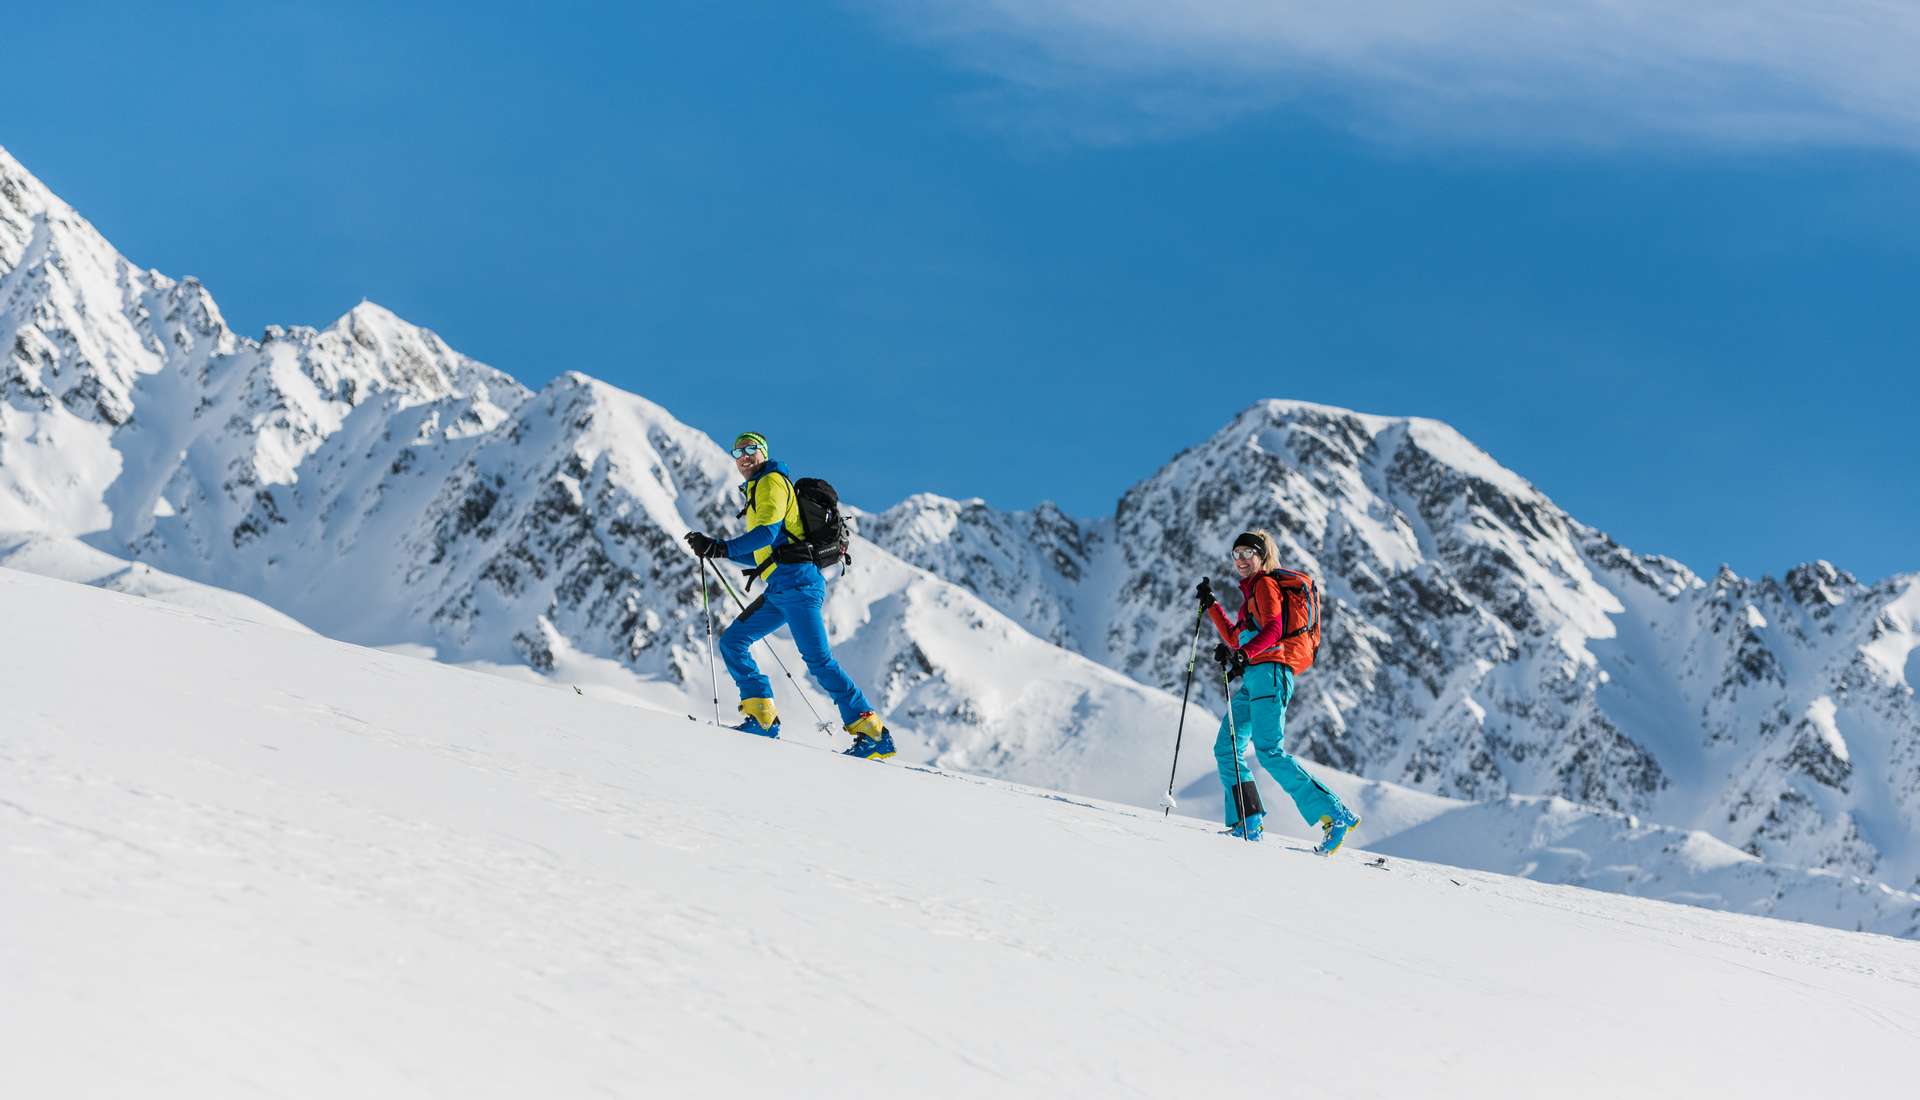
<point x="1583" y="72"/>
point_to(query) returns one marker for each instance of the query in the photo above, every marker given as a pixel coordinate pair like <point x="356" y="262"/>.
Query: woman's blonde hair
<point x="1269" y="549"/>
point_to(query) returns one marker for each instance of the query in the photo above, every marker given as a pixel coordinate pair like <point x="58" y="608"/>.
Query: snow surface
<point x="273" y="864"/>
<point x="73" y="560"/>
<point x="1554" y="840"/>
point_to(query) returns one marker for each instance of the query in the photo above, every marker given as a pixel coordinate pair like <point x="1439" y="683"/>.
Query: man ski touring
<point x="1269" y="644"/>
<point x="793" y="595"/>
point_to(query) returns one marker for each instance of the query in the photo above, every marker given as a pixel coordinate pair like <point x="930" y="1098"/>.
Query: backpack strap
<point x="755" y="484"/>
<point x="780" y="536"/>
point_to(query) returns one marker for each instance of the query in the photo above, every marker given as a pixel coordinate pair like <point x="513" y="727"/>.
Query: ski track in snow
<point x="268" y="863"/>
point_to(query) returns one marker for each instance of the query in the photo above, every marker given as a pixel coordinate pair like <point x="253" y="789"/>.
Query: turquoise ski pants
<point x="1259" y="713"/>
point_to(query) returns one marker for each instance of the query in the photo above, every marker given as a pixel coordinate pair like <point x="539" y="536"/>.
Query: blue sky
<point x="1666" y="268"/>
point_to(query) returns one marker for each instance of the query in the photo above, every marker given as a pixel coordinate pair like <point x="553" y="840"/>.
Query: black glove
<point x="1233" y="660"/>
<point x="1205" y="591"/>
<point x="706" y="547"/>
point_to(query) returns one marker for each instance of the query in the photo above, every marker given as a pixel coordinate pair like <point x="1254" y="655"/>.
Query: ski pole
<point x="1233" y="733"/>
<point x="1167" y="804"/>
<point x="823" y="725"/>
<point x="706" y="605"/>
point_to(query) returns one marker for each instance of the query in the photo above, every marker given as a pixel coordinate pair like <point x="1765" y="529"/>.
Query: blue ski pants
<point x="1258" y="714"/>
<point x="797" y="606"/>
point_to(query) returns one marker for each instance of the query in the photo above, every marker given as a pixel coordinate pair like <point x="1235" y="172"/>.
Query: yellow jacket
<point x="772" y="514"/>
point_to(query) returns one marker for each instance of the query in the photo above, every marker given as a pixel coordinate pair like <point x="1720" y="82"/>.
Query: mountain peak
<point x="1289" y="409"/>
<point x="1301" y="431"/>
<point x="19" y="186"/>
<point x="578" y="386"/>
<point x="370" y="323"/>
<point x="24" y="201"/>
<point x="371" y="312"/>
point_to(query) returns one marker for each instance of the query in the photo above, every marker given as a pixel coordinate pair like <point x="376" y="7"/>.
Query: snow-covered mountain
<point x="1485" y="643"/>
<point x="379" y="487"/>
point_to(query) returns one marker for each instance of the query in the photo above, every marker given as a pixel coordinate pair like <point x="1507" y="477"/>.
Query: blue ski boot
<point x="1250" y="829"/>
<point x="753" y="726"/>
<point x="1334" y="830"/>
<point x="871" y="740"/>
<point x="761" y="719"/>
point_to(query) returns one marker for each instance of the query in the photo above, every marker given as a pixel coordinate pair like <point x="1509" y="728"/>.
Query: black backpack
<point x="825" y="540"/>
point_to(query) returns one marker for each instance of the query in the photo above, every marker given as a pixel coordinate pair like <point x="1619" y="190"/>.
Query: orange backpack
<point x="1300" y="617"/>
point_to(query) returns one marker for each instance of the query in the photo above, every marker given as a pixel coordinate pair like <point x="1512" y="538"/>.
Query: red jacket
<point x="1260" y="606"/>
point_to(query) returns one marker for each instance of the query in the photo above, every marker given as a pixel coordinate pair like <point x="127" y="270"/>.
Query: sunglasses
<point x="749" y="449"/>
<point x="1246" y="552"/>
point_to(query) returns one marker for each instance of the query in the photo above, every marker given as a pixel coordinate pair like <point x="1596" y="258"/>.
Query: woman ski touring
<point x="795" y="590"/>
<point x="1268" y="646"/>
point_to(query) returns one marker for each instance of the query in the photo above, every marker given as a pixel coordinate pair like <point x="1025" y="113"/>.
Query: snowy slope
<point x="71" y="560"/>
<point x="1553" y="840"/>
<point x="274" y="864"/>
